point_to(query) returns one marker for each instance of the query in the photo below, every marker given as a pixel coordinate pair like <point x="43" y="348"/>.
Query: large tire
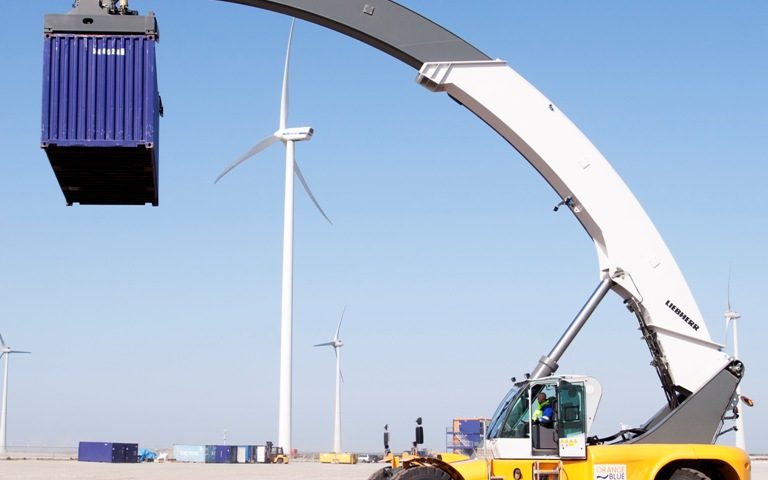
<point x="688" y="474"/>
<point x="381" y="474"/>
<point x="422" y="472"/>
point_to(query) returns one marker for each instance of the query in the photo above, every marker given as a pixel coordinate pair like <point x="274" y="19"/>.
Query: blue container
<point x="125" y="453"/>
<point x="210" y="454"/>
<point x="94" y="452"/>
<point x="244" y="453"/>
<point x="100" y="117"/>
<point x="189" y="453"/>
<point x="224" y="454"/>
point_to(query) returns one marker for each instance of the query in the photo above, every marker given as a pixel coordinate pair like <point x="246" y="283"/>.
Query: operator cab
<point x="517" y="429"/>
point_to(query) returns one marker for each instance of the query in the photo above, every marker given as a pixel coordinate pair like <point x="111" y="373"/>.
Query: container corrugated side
<point x="210" y="454"/>
<point x="243" y="453"/>
<point x="189" y="453"/>
<point x="99" y="90"/>
<point x="100" y="117"/>
<point x="224" y="454"/>
<point x="94" y="452"/>
<point x="125" y="453"/>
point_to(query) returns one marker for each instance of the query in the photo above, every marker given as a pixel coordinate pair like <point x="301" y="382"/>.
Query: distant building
<point x="466" y="435"/>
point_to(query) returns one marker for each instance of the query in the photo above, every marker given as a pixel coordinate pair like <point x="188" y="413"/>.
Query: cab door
<point x="544" y="435"/>
<point x="571" y="420"/>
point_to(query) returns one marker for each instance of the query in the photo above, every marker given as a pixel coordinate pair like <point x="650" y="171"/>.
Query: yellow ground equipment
<point x="275" y="454"/>
<point x="344" y="458"/>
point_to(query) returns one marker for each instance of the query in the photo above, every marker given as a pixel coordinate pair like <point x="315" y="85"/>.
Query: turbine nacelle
<point x="5" y="349"/>
<point x="295" y="134"/>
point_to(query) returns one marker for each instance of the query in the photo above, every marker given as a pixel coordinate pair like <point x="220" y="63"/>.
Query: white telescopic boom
<point x="629" y="248"/>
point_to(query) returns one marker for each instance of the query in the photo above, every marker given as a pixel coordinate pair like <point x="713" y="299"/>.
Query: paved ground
<point x="72" y="470"/>
<point x="760" y="470"/>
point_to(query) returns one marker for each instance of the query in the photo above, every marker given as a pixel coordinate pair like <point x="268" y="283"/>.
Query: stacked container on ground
<point x="210" y="454"/>
<point x="260" y="453"/>
<point x="108" y="452"/>
<point x="94" y="452"/>
<point x="226" y="454"/>
<point x="245" y="454"/>
<point x="189" y="453"/>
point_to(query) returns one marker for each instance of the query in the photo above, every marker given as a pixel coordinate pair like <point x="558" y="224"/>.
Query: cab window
<point x="516" y="423"/>
<point x="571" y="409"/>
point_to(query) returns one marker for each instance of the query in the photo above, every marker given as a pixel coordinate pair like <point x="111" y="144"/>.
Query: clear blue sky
<point x="160" y="325"/>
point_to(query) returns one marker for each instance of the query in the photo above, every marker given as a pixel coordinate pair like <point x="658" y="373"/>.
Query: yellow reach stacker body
<point x="603" y="462"/>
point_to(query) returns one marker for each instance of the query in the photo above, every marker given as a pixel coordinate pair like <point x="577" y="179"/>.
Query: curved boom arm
<point x="629" y="248"/>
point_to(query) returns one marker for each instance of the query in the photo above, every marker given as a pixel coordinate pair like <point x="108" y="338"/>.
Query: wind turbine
<point x="289" y="136"/>
<point x="730" y="318"/>
<point x="336" y="343"/>
<point x="6" y="351"/>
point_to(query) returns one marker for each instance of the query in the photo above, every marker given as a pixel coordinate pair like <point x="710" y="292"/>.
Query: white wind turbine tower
<point x="730" y="318"/>
<point x="5" y="351"/>
<point x="336" y="343"/>
<point x="288" y="136"/>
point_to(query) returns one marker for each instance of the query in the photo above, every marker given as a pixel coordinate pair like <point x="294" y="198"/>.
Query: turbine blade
<point x="1" y="339"/>
<point x="338" y="328"/>
<point x="729" y="288"/>
<point x="324" y="344"/>
<point x="297" y="170"/>
<point x="284" y="93"/>
<point x="253" y="151"/>
<point x="1" y="354"/>
<point x="18" y="351"/>
<point x="341" y="375"/>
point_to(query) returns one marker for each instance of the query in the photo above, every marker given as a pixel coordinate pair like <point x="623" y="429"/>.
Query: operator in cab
<point x="543" y="412"/>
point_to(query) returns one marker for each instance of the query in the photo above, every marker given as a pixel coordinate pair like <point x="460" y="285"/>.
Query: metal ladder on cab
<point x="547" y="470"/>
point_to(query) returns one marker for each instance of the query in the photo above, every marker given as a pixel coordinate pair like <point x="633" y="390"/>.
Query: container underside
<point x="105" y="175"/>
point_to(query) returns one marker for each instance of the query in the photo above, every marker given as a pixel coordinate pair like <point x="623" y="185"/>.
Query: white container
<point x="189" y="453"/>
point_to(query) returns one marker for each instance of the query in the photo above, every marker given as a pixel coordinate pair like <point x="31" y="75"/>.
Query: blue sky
<point x="161" y="325"/>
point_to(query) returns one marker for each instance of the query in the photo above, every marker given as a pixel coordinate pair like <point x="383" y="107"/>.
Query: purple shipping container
<point x="94" y="452"/>
<point x="125" y="453"/>
<point x="100" y="117"/>
<point x="108" y="452"/>
<point x="224" y="454"/>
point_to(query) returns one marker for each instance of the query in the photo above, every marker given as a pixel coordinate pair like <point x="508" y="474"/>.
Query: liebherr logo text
<point x="682" y="315"/>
